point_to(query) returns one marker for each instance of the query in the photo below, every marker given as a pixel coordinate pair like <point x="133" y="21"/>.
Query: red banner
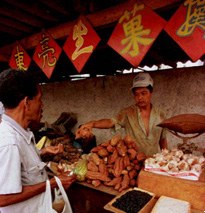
<point x="135" y="32"/>
<point x="46" y="54"/>
<point x="81" y="43"/>
<point x="19" y="60"/>
<point x="187" y="28"/>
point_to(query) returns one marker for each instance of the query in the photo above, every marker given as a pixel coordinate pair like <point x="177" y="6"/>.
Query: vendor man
<point x="140" y="119"/>
<point x="22" y="173"/>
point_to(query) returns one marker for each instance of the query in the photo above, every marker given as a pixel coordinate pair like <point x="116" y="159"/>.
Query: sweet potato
<point x="121" y="148"/>
<point x="97" y="176"/>
<point x="114" y="181"/>
<point x="96" y="183"/>
<point x="126" y="161"/>
<point x="141" y="156"/>
<point x="105" y="144"/>
<point x="132" y="173"/>
<point x="95" y="158"/>
<point x="118" y="167"/>
<point x="103" y="152"/>
<point x="96" y="149"/>
<point x="112" y="158"/>
<point x="125" y="183"/>
<point x="115" y="140"/>
<point x="132" y="182"/>
<point x="92" y="166"/>
<point x="110" y="148"/>
<point x="132" y="153"/>
<point x="103" y="169"/>
<point x="117" y="186"/>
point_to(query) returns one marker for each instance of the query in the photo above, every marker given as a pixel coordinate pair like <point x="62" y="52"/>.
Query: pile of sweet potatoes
<point x="115" y="163"/>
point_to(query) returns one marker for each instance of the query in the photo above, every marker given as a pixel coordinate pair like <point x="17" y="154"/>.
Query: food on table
<point x="175" y="160"/>
<point x="132" y="201"/>
<point x="115" y="163"/>
<point x="169" y="205"/>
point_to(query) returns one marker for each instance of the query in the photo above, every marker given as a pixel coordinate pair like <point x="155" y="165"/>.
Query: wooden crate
<point x="188" y="190"/>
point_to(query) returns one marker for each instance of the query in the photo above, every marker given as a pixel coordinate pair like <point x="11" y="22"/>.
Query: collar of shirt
<point x="27" y="134"/>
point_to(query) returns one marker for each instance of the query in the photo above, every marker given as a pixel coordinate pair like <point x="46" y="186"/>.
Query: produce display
<point x="175" y="162"/>
<point x="169" y="205"/>
<point x="132" y="201"/>
<point x="115" y="163"/>
<point x="69" y="155"/>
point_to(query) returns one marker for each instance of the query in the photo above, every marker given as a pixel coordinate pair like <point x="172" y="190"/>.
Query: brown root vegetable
<point x="128" y="140"/>
<point x="132" y="153"/>
<point x="132" y="182"/>
<point x="132" y="173"/>
<point x="112" y="158"/>
<point x="95" y="158"/>
<point x="103" y="152"/>
<point x="110" y="148"/>
<point x="126" y="160"/>
<point x="125" y="183"/>
<point x="118" y="167"/>
<point x="105" y="144"/>
<point x="141" y="156"/>
<point x="130" y="167"/>
<point x="121" y="148"/>
<point x="114" y="181"/>
<point x="97" y="176"/>
<point x="96" y="149"/>
<point x="91" y="166"/>
<point x="117" y="186"/>
<point x="103" y="169"/>
<point x="96" y="183"/>
<point x="115" y="140"/>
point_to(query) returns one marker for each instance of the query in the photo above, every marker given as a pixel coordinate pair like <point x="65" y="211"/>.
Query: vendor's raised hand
<point x="84" y="131"/>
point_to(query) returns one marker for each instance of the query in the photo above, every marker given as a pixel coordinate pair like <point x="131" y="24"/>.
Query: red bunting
<point x="187" y="28"/>
<point x="81" y="43"/>
<point x="19" y="60"/>
<point x="46" y="54"/>
<point x="135" y="32"/>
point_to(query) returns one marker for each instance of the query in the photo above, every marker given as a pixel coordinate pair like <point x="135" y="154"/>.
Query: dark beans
<point x="132" y="201"/>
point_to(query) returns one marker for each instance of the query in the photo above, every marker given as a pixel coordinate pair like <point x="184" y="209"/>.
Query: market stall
<point x="116" y="167"/>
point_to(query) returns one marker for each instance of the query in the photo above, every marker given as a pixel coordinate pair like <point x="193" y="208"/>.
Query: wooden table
<point x="87" y="200"/>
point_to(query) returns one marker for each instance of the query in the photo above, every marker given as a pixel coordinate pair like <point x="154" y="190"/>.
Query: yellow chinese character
<point x="195" y="17"/>
<point x="19" y="56"/>
<point x="134" y="32"/>
<point x="49" y="60"/>
<point x="79" y="31"/>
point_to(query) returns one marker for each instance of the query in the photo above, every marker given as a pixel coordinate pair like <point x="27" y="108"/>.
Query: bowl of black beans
<point x="132" y="200"/>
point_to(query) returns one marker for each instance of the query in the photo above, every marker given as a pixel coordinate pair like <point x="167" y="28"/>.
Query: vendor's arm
<point x="31" y="191"/>
<point x="100" y="124"/>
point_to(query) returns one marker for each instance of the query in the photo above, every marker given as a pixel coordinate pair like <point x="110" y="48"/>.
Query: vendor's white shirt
<point x="20" y="165"/>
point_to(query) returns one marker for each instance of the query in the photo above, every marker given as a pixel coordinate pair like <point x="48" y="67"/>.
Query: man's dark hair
<point x="150" y="88"/>
<point x="15" y="85"/>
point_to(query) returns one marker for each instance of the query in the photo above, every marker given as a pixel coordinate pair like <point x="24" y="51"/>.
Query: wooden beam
<point x="97" y="19"/>
<point x="14" y="24"/>
<point x="57" y="6"/>
<point x="32" y="8"/>
<point x="15" y="14"/>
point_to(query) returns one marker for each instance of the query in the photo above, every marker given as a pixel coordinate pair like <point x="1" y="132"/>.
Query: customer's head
<point x="142" y="89"/>
<point x="20" y="87"/>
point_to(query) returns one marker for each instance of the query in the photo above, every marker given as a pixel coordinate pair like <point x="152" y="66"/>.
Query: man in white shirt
<point x="23" y="176"/>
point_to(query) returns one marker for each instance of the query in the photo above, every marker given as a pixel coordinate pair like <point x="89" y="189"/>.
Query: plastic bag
<point x="47" y="206"/>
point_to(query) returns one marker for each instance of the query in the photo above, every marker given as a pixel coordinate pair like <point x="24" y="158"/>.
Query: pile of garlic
<point x="176" y="161"/>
